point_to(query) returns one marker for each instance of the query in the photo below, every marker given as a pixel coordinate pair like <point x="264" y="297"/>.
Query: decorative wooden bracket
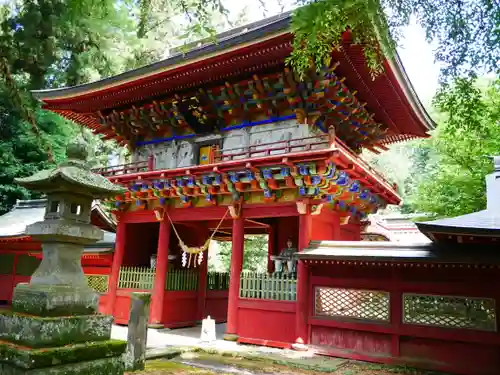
<point x="344" y="220"/>
<point x="235" y="210"/>
<point x="159" y="213"/>
<point x="301" y="207"/>
<point x="316" y="209"/>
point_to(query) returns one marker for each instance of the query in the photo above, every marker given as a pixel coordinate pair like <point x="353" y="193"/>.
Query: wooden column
<point x="160" y="274"/>
<point x="115" y="267"/>
<point x="235" y="274"/>
<point x="202" y="287"/>
<point x="302" y="284"/>
<point x="271" y="247"/>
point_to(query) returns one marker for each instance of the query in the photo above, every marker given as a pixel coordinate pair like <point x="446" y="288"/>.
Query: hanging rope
<point x="196" y="251"/>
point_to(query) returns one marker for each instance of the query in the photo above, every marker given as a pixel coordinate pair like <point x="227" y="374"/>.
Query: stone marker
<point x="208" y="330"/>
<point x="137" y="337"/>
<point x="54" y="328"/>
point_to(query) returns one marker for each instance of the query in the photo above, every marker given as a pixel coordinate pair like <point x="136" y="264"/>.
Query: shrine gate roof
<point x="260" y="47"/>
<point x="368" y="251"/>
<point x="26" y="212"/>
<point x="486" y="222"/>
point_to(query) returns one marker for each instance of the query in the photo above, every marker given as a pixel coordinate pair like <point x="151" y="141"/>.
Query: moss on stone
<point x="39" y="332"/>
<point x="54" y="300"/>
<point x="106" y="366"/>
<point x="35" y="358"/>
<point x="143" y="296"/>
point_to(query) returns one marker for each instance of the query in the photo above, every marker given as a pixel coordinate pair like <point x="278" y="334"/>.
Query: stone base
<point x="106" y="366"/>
<point x="27" y="358"/>
<point x="40" y="332"/>
<point x="299" y="347"/>
<point x="156" y="326"/>
<point x="54" y="300"/>
<point x="231" y="337"/>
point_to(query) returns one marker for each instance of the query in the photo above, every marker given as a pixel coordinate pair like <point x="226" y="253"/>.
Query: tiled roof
<point x="26" y="212"/>
<point x="482" y="222"/>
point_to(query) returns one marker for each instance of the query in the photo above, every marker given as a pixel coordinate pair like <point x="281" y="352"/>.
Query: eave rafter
<point x="322" y="99"/>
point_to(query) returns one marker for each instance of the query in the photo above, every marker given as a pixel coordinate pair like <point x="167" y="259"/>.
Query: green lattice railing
<point x="99" y="283"/>
<point x="218" y="281"/>
<point x="277" y="286"/>
<point x="182" y="280"/>
<point x="136" y="278"/>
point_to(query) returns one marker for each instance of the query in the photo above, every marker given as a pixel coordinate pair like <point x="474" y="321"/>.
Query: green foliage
<point x="453" y="183"/>
<point x="254" y="255"/>
<point x="466" y="33"/>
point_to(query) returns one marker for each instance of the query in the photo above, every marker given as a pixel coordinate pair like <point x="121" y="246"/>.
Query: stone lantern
<point x="57" y="307"/>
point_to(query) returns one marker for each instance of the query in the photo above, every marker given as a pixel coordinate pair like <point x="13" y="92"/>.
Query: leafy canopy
<point x="462" y="145"/>
<point x="466" y="32"/>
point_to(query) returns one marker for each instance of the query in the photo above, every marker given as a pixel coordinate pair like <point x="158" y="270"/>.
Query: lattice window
<point x="450" y="311"/>
<point x="98" y="282"/>
<point x="352" y="303"/>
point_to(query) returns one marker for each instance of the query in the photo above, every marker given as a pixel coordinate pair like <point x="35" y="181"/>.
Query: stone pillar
<point x="302" y="284"/>
<point x="53" y="327"/>
<point x="116" y="265"/>
<point x="234" y="281"/>
<point x="135" y="356"/>
<point x="160" y="274"/>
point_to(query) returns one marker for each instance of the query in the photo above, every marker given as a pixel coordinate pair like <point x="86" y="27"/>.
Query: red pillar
<point x="271" y="247"/>
<point x="160" y="274"/>
<point x="115" y="267"/>
<point x="302" y="284"/>
<point x="234" y="282"/>
<point x="202" y="287"/>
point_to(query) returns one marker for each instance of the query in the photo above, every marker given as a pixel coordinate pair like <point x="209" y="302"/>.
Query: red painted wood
<point x="305" y="222"/>
<point x="326" y="226"/>
<point x="121" y="307"/>
<point x="96" y="270"/>
<point x="202" y="284"/>
<point x="216" y="305"/>
<point x="103" y="301"/>
<point x="161" y="272"/>
<point x="370" y="343"/>
<point x="266" y="320"/>
<point x="461" y="351"/>
<point x="267" y="305"/>
<point x="271" y="247"/>
<point x="121" y="232"/>
<point x="238" y="244"/>
<point x="261" y="342"/>
<point x="180" y="309"/>
<point x="460" y="357"/>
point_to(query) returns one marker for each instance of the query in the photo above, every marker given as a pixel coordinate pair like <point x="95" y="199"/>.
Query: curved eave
<point x="226" y="42"/>
<point x="397" y="68"/>
<point x="253" y="39"/>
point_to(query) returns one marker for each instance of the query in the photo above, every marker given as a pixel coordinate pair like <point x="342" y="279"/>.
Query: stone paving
<point x="171" y="342"/>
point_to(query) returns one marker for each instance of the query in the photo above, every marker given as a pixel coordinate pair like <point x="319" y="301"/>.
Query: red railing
<point x="273" y="148"/>
<point x="137" y="167"/>
<point x="317" y="142"/>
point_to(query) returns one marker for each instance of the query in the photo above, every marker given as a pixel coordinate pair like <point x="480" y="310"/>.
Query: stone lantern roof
<point x="72" y="175"/>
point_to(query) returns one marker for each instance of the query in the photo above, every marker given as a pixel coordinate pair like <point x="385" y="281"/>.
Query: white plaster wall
<point x="178" y="154"/>
<point x="271" y="133"/>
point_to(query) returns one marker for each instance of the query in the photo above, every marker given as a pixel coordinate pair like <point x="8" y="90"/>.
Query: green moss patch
<point x="36" y="358"/>
<point x="40" y="332"/>
<point x="106" y="366"/>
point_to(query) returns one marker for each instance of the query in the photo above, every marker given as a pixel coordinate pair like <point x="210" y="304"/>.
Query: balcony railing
<point x="317" y="142"/>
<point x="221" y="156"/>
<point x="292" y="146"/>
